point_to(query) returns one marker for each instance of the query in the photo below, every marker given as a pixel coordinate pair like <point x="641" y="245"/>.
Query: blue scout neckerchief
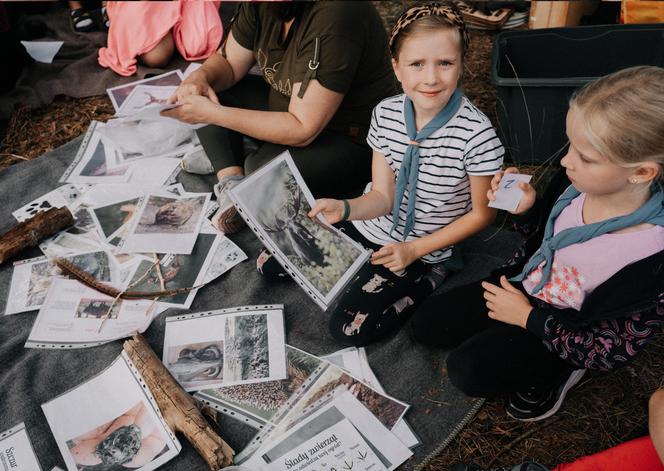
<point x="409" y="170"/>
<point x="651" y="212"/>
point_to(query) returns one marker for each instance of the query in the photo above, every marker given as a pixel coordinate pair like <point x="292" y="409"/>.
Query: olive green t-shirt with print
<point x="352" y="55"/>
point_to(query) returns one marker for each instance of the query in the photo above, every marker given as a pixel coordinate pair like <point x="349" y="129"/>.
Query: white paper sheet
<point x="389" y="451"/>
<point x="31" y="279"/>
<point x="111" y="408"/>
<point x="165" y="224"/>
<point x="65" y="195"/>
<point x="43" y="51"/>
<point x="240" y="345"/>
<point x="509" y="194"/>
<point x="75" y="316"/>
<point x="16" y="452"/>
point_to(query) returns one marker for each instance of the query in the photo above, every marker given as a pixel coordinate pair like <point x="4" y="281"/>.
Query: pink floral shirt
<point x="578" y="269"/>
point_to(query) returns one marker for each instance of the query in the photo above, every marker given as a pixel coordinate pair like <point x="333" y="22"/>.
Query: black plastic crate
<point x="536" y="72"/>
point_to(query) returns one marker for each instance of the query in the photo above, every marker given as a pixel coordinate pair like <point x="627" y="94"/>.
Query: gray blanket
<point x="409" y="372"/>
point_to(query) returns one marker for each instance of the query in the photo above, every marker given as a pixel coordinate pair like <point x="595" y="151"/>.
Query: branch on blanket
<point x="28" y="233"/>
<point x="178" y="408"/>
<point x="72" y="270"/>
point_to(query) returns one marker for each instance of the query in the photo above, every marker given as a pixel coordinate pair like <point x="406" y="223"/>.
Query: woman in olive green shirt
<point x="324" y="66"/>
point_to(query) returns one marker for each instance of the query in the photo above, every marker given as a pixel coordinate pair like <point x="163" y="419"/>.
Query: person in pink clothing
<point x="151" y="31"/>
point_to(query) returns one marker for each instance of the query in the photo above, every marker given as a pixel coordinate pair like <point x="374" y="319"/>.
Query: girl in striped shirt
<point x="434" y="154"/>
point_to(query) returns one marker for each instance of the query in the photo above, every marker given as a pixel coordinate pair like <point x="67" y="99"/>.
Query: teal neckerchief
<point x="409" y="170"/>
<point x="651" y="212"/>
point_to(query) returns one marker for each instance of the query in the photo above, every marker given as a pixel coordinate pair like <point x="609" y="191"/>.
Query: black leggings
<point x="376" y="301"/>
<point x="333" y="165"/>
<point x="488" y="358"/>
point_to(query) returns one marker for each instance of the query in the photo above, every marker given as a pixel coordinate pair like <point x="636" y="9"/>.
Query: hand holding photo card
<point x="119" y="94"/>
<point x="509" y="194"/>
<point x="275" y="202"/>
<point x="111" y="422"/>
<point x="16" y="452"/>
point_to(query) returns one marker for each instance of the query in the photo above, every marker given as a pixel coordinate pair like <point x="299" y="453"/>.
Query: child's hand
<point x="331" y="210"/>
<point x="529" y="194"/>
<point x="394" y="257"/>
<point x="507" y="304"/>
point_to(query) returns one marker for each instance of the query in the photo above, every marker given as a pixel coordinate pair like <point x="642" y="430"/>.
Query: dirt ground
<point x="602" y="411"/>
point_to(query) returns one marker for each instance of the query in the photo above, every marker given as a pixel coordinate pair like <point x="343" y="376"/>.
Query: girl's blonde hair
<point x="623" y="114"/>
<point x="428" y="17"/>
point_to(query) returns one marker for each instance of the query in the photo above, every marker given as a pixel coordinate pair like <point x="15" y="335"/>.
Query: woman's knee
<point x="161" y="54"/>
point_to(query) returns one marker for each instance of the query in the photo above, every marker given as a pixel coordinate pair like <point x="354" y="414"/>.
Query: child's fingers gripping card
<point x="509" y="194"/>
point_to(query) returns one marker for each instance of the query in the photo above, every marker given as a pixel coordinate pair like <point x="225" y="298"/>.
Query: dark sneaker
<point x="518" y="467"/>
<point x="537" y="403"/>
<point x="227" y="218"/>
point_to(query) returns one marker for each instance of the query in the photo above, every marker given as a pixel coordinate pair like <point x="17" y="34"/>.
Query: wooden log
<point x="177" y="406"/>
<point x="28" y="233"/>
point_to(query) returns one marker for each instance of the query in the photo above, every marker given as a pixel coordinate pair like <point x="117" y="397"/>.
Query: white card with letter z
<point x="509" y="194"/>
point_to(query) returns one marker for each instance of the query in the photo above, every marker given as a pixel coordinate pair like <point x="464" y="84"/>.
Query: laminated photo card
<point x="240" y="345"/>
<point x="111" y="422"/>
<point x="31" y="279"/>
<point x="65" y="195"/>
<point x="212" y="255"/>
<point x="119" y="94"/>
<point x="341" y="435"/>
<point x="147" y="101"/>
<point x="95" y="162"/>
<point x="166" y="224"/>
<point x="355" y="362"/>
<point x="75" y="316"/>
<point x="273" y="406"/>
<point x="275" y="201"/>
<point x="16" y="451"/>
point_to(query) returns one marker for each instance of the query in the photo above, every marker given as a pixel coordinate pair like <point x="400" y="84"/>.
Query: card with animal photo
<point x="240" y="345"/>
<point x="165" y="224"/>
<point x="65" y="195"/>
<point x="119" y="94"/>
<point x="31" y="279"/>
<point x="91" y="163"/>
<point x="75" y="316"/>
<point x="275" y="202"/>
<point x="111" y="422"/>
<point x="177" y="271"/>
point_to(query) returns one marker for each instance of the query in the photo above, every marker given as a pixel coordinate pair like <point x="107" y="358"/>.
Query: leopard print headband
<point x="449" y="12"/>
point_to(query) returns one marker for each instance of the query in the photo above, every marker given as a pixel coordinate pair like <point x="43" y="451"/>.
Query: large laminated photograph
<point x="275" y="202"/>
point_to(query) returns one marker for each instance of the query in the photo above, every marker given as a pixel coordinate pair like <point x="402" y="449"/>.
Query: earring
<point x="633" y="181"/>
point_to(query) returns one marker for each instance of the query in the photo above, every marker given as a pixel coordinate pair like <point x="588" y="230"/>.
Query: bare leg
<point x="161" y="54"/>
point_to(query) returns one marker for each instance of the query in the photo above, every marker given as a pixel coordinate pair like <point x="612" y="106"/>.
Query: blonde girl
<point x="591" y="295"/>
<point x="434" y="154"/>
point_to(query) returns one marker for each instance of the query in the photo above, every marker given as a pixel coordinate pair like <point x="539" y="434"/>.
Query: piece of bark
<point x="177" y="407"/>
<point x="28" y="233"/>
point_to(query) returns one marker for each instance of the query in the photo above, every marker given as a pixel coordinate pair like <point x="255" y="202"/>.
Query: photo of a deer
<point x="302" y="241"/>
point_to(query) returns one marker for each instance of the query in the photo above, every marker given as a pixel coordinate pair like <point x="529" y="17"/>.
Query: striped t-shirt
<point x="466" y="145"/>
